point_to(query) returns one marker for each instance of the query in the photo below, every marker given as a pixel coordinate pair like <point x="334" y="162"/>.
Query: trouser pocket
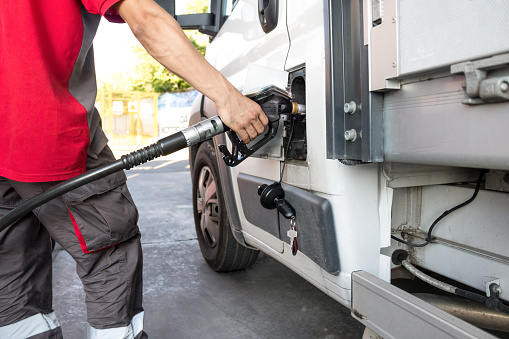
<point x="103" y="212"/>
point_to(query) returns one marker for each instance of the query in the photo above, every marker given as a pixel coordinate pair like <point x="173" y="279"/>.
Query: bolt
<point x="496" y="288"/>
<point x="351" y="135"/>
<point x="504" y="86"/>
<point x="394" y="64"/>
<point x="393" y="20"/>
<point x="350" y="107"/>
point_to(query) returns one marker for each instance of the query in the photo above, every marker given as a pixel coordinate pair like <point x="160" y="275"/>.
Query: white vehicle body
<point x="426" y="146"/>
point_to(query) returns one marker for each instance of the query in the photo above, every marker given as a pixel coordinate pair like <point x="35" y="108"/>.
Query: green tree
<point x="151" y="76"/>
<point x="196" y="6"/>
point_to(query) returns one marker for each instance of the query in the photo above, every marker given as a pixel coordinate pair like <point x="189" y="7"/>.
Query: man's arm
<point x="163" y="38"/>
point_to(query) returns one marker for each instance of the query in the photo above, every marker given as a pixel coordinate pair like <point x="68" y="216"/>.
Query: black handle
<point x="285" y="208"/>
<point x="240" y="151"/>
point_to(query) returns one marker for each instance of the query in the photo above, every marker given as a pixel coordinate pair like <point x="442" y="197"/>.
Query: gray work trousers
<point x="97" y="225"/>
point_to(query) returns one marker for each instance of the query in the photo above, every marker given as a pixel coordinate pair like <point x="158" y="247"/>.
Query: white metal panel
<point x="241" y="41"/>
<point x="259" y="76"/>
<point x="383" y="47"/>
<point x="298" y="31"/>
<point x="437" y="33"/>
<point x="417" y="36"/>
<point x="471" y="242"/>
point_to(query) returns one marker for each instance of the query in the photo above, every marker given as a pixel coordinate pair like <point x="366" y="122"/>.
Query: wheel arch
<point x="219" y="247"/>
<point x="204" y="108"/>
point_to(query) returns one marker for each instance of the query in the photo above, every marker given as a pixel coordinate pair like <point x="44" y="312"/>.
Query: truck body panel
<point x="427" y="81"/>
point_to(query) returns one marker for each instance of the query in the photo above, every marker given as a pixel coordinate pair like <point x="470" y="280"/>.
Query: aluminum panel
<point x="437" y="33"/>
<point x="403" y="316"/>
<point x="426" y="123"/>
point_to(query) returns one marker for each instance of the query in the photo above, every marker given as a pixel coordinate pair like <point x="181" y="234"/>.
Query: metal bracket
<point x="488" y="281"/>
<point x="478" y="88"/>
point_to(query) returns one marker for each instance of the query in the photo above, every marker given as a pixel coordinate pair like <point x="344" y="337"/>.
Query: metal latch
<point x="478" y="88"/>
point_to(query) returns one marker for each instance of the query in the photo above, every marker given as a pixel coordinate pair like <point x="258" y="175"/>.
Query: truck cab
<point x="397" y="171"/>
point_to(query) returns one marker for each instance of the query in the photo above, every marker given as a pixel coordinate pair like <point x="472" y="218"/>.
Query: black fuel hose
<point x="192" y="135"/>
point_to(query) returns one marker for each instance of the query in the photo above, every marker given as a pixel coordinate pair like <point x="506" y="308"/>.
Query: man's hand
<point x="242" y="115"/>
<point x="163" y="38"/>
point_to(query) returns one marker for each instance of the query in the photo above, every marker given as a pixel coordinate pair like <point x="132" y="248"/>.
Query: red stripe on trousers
<point x="81" y="240"/>
<point x="77" y="231"/>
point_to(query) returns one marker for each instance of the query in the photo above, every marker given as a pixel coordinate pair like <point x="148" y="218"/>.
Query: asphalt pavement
<point x="183" y="297"/>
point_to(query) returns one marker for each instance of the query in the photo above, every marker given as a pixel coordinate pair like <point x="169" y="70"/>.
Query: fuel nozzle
<point x="274" y="102"/>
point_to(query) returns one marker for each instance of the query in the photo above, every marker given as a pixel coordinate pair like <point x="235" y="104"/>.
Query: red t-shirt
<point x="47" y="86"/>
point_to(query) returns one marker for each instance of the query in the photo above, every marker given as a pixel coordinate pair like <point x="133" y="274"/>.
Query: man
<point x="50" y="131"/>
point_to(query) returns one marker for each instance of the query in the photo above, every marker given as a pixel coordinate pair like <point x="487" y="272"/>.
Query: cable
<point x="492" y="302"/>
<point x="426" y="278"/>
<point x="294" y="245"/>
<point x="429" y="239"/>
<point x="287" y="148"/>
<point x="191" y="135"/>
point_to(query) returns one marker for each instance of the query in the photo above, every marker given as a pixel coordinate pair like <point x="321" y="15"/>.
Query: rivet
<point x="504" y="86"/>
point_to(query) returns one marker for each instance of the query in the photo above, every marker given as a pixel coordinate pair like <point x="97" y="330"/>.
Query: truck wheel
<point x="217" y="243"/>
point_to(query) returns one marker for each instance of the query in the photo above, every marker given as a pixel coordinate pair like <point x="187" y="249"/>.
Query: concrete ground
<point x="183" y="297"/>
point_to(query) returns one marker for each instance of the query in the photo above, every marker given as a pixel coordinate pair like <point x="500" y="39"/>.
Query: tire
<point x="218" y="246"/>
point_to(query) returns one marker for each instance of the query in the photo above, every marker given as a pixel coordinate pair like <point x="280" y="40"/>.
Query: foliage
<point x="150" y="76"/>
<point x="196" y="6"/>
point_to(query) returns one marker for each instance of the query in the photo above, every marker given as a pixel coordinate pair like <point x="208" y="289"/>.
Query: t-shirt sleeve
<point x="104" y="8"/>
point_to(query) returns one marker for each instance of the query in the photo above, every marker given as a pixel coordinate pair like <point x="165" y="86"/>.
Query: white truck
<point x="398" y="171"/>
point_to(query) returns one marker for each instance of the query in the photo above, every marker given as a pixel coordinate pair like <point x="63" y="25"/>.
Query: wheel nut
<point x="351" y="135"/>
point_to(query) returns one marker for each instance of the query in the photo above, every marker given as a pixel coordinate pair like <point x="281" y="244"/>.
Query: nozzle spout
<point x="298" y="108"/>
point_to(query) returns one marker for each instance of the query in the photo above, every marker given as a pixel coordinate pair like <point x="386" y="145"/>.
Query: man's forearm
<point x="163" y="38"/>
<point x="151" y="26"/>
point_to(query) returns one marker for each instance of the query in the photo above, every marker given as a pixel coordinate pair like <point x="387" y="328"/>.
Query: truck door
<point x="252" y="43"/>
<point x="249" y="37"/>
